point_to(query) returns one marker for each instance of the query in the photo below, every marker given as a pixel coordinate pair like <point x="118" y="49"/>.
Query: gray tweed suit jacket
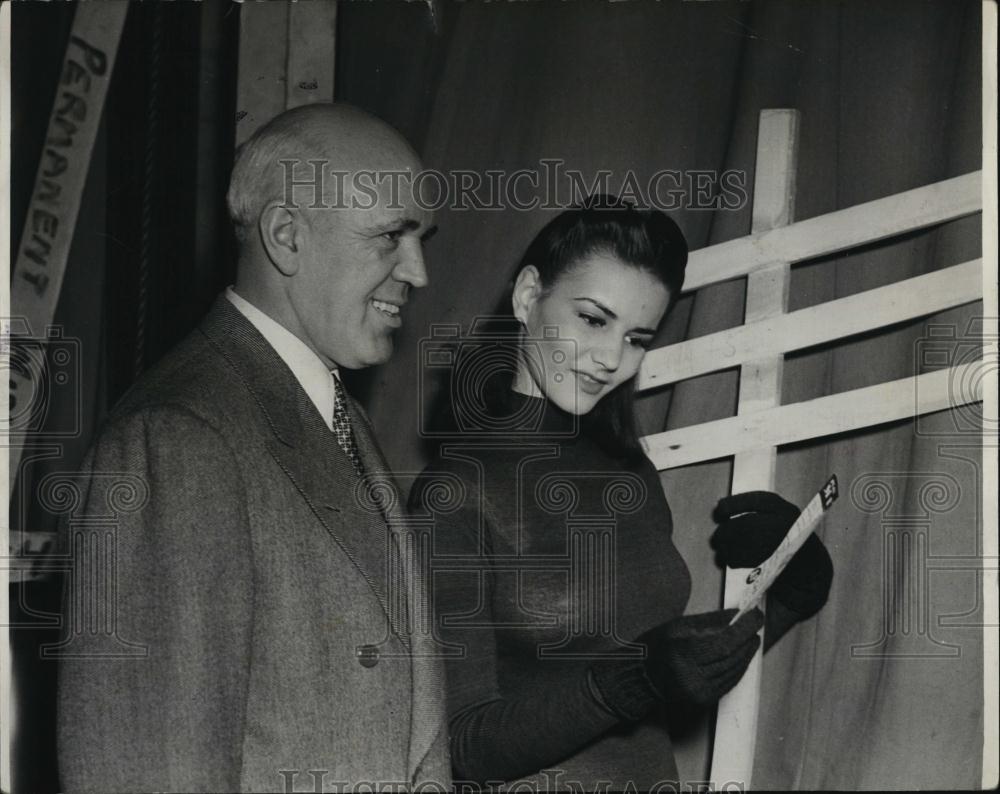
<point x="252" y="639"/>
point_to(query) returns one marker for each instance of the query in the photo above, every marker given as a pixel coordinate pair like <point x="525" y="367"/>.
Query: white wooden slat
<point x="837" y="231"/>
<point x="989" y="517"/>
<point x="760" y="389"/>
<point x="823" y="416"/>
<point x="286" y="59"/>
<point x="40" y="263"/>
<point x="311" y="38"/>
<point x="825" y="322"/>
<point x="261" y="74"/>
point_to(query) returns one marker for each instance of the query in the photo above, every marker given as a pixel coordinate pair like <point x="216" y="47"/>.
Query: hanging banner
<point x="40" y="262"/>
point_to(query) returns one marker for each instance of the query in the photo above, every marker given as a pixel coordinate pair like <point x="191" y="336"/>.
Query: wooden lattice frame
<point x="761" y="424"/>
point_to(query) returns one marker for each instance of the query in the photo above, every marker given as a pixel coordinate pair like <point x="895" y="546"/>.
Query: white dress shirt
<point x="308" y="369"/>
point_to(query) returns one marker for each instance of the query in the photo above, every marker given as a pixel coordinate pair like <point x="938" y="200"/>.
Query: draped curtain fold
<point x="884" y="688"/>
<point x="150" y="250"/>
<point x="875" y="692"/>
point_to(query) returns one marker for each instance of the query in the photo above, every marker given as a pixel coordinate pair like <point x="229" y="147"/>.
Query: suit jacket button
<point x="368" y="655"/>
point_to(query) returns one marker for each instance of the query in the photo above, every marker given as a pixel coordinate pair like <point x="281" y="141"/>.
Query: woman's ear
<point x="527" y="289"/>
<point x="280" y="234"/>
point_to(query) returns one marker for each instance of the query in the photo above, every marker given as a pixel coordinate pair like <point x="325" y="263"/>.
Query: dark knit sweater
<point x="567" y="557"/>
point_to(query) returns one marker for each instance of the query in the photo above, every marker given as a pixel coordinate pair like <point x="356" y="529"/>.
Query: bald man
<point x="262" y="629"/>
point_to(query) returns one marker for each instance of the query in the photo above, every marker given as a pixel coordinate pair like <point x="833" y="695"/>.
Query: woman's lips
<point x="588" y="383"/>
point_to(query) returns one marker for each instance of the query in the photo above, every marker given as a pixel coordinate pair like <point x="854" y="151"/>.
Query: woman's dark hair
<point x="645" y="239"/>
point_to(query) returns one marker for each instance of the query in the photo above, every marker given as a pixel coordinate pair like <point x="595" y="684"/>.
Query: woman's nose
<point x="608" y="356"/>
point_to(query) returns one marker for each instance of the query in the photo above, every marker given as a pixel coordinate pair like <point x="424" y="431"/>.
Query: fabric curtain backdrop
<point x="873" y="693"/>
<point x="151" y="250"/>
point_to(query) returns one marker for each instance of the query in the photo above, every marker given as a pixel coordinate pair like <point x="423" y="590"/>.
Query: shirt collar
<point x="309" y="370"/>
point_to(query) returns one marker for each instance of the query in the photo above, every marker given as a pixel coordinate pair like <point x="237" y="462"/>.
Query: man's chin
<point x="362" y="359"/>
<point x="378" y="353"/>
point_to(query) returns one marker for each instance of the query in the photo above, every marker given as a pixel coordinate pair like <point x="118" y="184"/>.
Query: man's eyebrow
<point x="613" y="316"/>
<point x="405" y="225"/>
<point x="398" y="225"/>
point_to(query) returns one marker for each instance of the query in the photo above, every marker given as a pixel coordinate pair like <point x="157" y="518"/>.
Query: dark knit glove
<point x="751" y="526"/>
<point x="692" y="659"/>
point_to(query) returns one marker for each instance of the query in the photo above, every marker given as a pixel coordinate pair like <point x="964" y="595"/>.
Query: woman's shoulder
<point x="455" y="476"/>
<point x="474" y="469"/>
<point x="451" y="492"/>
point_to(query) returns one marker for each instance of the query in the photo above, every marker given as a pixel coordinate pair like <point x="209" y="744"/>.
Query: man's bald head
<point x="336" y="274"/>
<point x="344" y="138"/>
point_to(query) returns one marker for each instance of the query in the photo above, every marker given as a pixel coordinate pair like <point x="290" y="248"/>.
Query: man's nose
<point x="411" y="268"/>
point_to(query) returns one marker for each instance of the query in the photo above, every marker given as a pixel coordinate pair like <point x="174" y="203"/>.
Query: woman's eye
<point x="591" y="320"/>
<point x="639" y="341"/>
<point x="393" y="236"/>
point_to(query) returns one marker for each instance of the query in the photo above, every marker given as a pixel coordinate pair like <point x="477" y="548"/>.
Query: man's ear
<point x="527" y="289"/>
<point x="281" y="235"/>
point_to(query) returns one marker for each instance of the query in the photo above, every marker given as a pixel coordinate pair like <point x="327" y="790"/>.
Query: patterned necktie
<point x="342" y="426"/>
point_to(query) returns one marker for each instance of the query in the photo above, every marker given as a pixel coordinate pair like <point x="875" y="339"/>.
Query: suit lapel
<point x="359" y="520"/>
<point x="326" y="479"/>
<point x="304" y="447"/>
<point x="379" y="493"/>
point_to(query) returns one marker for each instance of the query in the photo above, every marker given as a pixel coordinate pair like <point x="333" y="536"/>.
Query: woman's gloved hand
<point x="692" y="659"/>
<point x="698" y="658"/>
<point x="750" y="527"/>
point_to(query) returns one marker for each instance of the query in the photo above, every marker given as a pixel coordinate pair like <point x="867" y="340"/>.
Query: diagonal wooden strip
<point x="62" y="170"/>
<point x="824" y="416"/>
<point x="837" y="231"/>
<point x="836" y="319"/>
<point x="40" y="265"/>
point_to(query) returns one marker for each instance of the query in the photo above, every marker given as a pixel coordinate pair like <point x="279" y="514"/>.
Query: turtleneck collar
<point x="523" y="415"/>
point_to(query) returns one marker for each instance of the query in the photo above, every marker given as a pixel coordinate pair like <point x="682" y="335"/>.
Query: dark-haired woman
<point x="559" y="593"/>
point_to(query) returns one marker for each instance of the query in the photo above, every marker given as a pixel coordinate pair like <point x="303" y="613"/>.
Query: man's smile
<point x="388" y="311"/>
